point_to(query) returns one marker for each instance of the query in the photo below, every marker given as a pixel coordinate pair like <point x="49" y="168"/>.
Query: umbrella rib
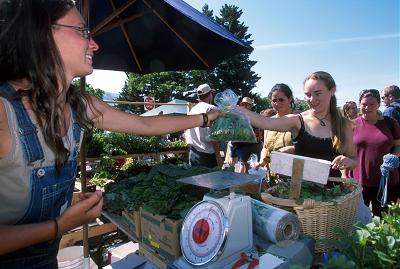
<point x="177" y="34"/>
<point x="131" y="48"/>
<point x="119" y="23"/>
<point x="112" y="16"/>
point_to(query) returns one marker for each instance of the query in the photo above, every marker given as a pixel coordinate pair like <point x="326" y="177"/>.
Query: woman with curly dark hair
<point x="44" y="45"/>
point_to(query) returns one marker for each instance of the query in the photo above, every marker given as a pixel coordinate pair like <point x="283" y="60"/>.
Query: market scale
<point x="217" y="229"/>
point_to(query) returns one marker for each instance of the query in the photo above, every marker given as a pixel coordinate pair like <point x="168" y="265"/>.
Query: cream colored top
<point x="15" y="174"/>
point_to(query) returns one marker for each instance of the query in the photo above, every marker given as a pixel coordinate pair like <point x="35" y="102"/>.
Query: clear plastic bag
<point x="233" y="125"/>
<point x="261" y="171"/>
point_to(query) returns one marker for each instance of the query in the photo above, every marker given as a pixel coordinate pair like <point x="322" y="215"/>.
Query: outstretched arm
<point x="282" y="124"/>
<point x="115" y="120"/>
<point x="16" y="237"/>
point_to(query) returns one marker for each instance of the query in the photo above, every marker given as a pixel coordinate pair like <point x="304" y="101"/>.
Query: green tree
<point x="300" y="104"/>
<point x="235" y="73"/>
<point x="88" y="88"/>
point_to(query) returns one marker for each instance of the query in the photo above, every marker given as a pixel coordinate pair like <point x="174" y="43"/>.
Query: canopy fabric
<point x="144" y="36"/>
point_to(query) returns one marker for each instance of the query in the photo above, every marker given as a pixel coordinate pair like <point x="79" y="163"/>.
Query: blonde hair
<point x="346" y="107"/>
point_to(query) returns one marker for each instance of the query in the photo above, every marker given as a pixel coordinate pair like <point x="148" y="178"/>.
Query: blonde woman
<point x="319" y="132"/>
<point x="350" y="110"/>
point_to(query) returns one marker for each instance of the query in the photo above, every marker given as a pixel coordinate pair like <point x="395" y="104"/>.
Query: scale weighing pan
<point x="221" y="180"/>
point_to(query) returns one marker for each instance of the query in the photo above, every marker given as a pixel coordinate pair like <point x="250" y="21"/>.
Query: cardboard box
<point x="152" y="255"/>
<point x="134" y="222"/>
<point x="161" y="234"/>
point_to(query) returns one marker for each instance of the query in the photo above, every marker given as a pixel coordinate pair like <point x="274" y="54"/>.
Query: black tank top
<point x="311" y="146"/>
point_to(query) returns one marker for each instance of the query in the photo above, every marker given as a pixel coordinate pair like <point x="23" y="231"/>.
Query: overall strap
<point x="28" y="131"/>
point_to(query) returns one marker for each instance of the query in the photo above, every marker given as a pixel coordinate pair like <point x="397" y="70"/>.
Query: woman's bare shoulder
<point x="3" y="115"/>
<point x="4" y="131"/>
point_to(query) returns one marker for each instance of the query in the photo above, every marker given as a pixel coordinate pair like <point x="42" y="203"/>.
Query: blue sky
<point x="356" y="41"/>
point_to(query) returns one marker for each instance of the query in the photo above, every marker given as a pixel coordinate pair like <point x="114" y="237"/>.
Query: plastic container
<point x="70" y="258"/>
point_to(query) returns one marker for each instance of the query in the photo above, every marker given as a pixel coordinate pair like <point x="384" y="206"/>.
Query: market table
<point x="122" y="224"/>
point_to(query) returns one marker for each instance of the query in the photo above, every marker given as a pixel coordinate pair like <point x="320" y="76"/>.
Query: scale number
<point x="203" y="232"/>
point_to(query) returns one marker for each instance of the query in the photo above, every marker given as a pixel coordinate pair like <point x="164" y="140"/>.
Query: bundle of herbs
<point x="233" y="125"/>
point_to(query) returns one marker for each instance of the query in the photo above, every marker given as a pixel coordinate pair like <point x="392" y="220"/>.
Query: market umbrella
<point x="145" y="36"/>
<point x="175" y="107"/>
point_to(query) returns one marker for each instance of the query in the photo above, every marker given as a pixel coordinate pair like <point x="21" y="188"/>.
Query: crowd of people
<point x="355" y="138"/>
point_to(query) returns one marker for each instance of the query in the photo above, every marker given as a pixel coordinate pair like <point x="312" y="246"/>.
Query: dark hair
<point x="370" y="93"/>
<point x="338" y="121"/>
<point x="285" y="89"/>
<point x="28" y="51"/>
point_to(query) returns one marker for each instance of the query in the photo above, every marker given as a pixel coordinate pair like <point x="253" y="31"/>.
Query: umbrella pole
<point x="85" y="232"/>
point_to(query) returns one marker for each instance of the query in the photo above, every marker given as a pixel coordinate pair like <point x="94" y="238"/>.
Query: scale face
<point x="204" y="233"/>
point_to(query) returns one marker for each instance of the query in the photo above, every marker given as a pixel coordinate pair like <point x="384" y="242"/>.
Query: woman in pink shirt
<point x="374" y="136"/>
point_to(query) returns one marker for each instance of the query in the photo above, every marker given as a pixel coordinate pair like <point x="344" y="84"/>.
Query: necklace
<point x="321" y="121"/>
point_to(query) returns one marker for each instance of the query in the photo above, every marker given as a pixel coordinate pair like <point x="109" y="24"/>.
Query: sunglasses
<point x="278" y="100"/>
<point x="84" y="30"/>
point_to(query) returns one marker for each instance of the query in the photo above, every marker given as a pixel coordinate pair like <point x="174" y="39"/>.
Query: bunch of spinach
<point x="158" y="191"/>
<point x="310" y="190"/>
<point x="232" y="126"/>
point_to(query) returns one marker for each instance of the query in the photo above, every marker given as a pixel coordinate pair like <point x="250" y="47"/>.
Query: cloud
<point x="325" y="42"/>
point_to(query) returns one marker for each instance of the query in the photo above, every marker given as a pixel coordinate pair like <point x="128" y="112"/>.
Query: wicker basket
<point x="319" y="218"/>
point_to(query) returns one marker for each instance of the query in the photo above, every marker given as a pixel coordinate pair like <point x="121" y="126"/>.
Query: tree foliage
<point x="99" y="93"/>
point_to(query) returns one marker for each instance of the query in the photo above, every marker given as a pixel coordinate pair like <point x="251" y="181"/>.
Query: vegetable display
<point x="310" y="190"/>
<point x="157" y="191"/>
<point x="373" y="245"/>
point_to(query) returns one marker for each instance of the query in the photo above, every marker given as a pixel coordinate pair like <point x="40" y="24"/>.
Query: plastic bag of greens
<point x="234" y="125"/>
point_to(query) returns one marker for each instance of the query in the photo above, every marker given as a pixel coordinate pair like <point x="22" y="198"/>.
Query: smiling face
<point x="280" y="102"/>
<point x="369" y="106"/>
<point x="76" y="51"/>
<point x="318" y="95"/>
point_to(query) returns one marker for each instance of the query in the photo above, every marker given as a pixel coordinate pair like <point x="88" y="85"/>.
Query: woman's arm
<point x="115" y="120"/>
<point x="14" y="237"/>
<point x="286" y="123"/>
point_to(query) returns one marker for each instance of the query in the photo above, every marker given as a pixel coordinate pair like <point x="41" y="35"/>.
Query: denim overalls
<point x="51" y="192"/>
